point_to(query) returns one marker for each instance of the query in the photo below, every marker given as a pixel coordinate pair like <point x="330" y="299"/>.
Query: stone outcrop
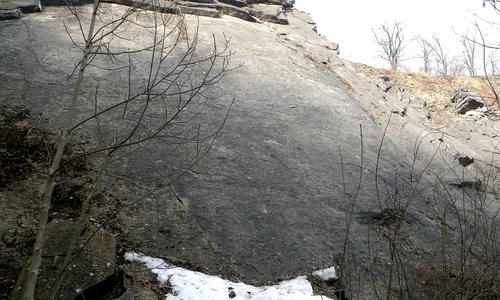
<point x="397" y="96"/>
<point x="466" y="101"/>
<point x="389" y="87"/>
<point x="273" y="11"/>
<point x="252" y="11"/>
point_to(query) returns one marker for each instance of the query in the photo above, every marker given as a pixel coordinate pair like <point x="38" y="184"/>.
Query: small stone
<point x="384" y="77"/>
<point x="418" y="102"/>
<point x="464" y="161"/>
<point x="232" y="294"/>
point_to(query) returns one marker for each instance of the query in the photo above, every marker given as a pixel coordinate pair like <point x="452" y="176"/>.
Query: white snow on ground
<point x="190" y="285"/>
<point x="326" y="274"/>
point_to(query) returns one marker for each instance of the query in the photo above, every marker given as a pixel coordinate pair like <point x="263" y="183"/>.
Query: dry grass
<point x="436" y="89"/>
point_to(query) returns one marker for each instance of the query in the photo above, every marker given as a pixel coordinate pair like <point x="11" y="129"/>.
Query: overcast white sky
<point x="349" y="22"/>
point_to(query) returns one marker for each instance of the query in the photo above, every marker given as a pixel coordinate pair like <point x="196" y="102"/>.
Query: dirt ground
<point x="25" y="154"/>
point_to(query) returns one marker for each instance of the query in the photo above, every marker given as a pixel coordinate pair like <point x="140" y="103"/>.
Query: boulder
<point x="268" y="13"/>
<point x="10" y="14"/>
<point x="394" y="91"/>
<point x="405" y="96"/>
<point x="418" y="102"/>
<point x="466" y="101"/>
<point x="384" y="83"/>
<point x="287" y="4"/>
<point x="92" y="270"/>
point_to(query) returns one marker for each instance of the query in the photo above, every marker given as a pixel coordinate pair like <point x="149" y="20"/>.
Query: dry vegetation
<point x="467" y="265"/>
<point x="436" y="89"/>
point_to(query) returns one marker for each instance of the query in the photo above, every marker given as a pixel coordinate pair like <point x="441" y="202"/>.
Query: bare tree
<point x="492" y="62"/>
<point x="160" y="104"/>
<point x="440" y="55"/>
<point x="469" y="52"/>
<point x="456" y="66"/>
<point x="392" y="40"/>
<point x="425" y="53"/>
<point x="485" y="46"/>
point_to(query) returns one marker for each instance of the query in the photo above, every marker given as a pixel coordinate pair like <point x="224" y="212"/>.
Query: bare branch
<point x="468" y="54"/>
<point x="493" y="4"/>
<point x="487" y="78"/>
<point x="425" y="54"/>
<point x="160" y="105"/>
<point x="441" y="55"/>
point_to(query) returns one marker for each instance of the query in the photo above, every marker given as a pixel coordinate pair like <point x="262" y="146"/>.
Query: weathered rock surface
<point x="300" y="153"/>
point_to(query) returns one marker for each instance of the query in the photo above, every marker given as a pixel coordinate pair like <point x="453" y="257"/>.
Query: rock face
<point x="248" y="10"/>
<point x="310" y="146"/>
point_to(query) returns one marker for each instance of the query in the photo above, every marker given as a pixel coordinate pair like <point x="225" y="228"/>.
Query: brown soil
<point x="25" y="154"/>
<point x="21" y="147"/>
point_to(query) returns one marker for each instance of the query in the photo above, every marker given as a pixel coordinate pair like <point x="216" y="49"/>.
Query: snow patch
<point x="190" y="285"/>
<point x="328" y="274"/>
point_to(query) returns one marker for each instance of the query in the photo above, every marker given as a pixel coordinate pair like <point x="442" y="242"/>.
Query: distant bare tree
<point x="468" y="54"/>
<point x="392" y="41"/>
<point x="440" y="55"/>
<point x="484" y="47"/>
<point x="425" y="54"/>
<point x="492" y="62"/>
<point x="456" y="66"/>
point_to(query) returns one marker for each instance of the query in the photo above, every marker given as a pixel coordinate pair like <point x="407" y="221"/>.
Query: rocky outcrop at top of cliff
<point x="273" y="11"/>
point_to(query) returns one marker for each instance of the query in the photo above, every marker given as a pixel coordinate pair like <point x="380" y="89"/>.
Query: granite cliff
<point x="311" y="146"/>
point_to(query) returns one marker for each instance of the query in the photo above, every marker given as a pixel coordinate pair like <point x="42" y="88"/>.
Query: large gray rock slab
<point x="300" y="151"/>
<point x="268" y="198"/>
<point x="268" y="202"/>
